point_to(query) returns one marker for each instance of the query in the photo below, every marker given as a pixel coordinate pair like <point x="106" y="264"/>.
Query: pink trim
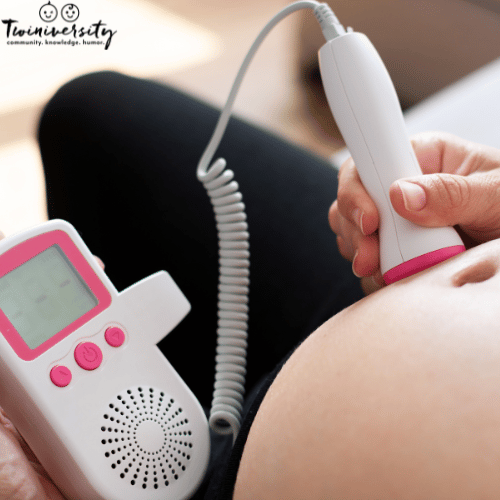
<point x="27" y="250"/>
<point x="420" y="263"/>
<point x="88" y="356"/>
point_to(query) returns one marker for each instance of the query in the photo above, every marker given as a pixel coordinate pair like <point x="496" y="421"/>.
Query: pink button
<point x="60" y="376"/>
<point x="88" y="355"/>
<point x="114" y="336"/>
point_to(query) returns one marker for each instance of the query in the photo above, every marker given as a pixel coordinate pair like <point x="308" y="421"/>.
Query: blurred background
<point x="198" y="47"/>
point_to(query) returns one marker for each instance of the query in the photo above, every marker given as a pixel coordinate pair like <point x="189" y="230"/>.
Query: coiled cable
<point x="229" y="388"/>
<point x="234" y="255"/>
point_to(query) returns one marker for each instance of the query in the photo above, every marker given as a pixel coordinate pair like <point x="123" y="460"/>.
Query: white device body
<point x="367" y="111"/>
<point x="129" y="429"/>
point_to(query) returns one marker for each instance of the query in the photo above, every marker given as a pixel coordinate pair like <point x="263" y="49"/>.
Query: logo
<point x="59" y="28"/>
<point x="48" y="13"/>
<point x="70" y="12"/>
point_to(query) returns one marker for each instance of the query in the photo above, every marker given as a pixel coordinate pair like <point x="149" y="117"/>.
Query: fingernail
<point x="357" y="215"/>
<point x="413" y="196"/>
<point x="353" y="261"/>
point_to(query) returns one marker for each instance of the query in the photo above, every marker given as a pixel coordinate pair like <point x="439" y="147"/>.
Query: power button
<point x="88" y="356"/>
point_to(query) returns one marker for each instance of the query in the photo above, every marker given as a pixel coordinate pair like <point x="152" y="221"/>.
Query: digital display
<point x="44" y="295"/>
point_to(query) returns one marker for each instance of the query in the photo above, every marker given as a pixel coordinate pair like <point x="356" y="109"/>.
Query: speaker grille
<point x="146" y="438"/>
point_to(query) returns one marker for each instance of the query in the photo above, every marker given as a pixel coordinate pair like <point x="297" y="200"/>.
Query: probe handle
<point x="367" y="111"/>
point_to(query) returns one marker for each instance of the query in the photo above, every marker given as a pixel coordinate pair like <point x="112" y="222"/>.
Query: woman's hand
<point x="461" y="188"/>
<point x="21" y="475"/>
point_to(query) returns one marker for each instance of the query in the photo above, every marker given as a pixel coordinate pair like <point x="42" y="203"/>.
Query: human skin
<point x="21" y="475"/>
<point x="462" y="187"/>
<point x="396" y="397"/>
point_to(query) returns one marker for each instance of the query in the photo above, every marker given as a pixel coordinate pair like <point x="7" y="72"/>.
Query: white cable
<point x="229" y="389"/>
<point x="225" y="414"/>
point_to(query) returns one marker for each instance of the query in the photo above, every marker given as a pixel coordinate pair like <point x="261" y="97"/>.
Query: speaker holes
<point x="154" y="430"/>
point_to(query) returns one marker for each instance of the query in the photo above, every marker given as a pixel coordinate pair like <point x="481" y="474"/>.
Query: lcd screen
<point x="44" y="295"/>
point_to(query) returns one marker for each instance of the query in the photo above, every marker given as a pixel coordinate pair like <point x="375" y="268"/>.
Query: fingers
<point x="439" y="200"/>
<point x="361" y="250"/>
<point x="365" y="261"/>
<point x="21" y="475"/>
<point x="9" y="426"/>
<point x="100" y="262"/>
<point x="354" y="219"/>
<point x="354" y="202"/>
<point x="441" y="152"/>
<point x="460" y="188"/>
<point x="18" y="480"/>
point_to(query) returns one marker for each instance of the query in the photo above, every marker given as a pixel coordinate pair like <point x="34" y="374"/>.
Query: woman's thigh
<point x="120" y="157"/>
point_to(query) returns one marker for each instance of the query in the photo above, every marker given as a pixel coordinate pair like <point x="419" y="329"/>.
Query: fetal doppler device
<point x="80" y="374"/>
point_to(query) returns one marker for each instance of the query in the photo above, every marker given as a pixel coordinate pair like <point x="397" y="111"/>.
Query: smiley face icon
<point x="48" y="12"/>
<point x="70" y="12"/>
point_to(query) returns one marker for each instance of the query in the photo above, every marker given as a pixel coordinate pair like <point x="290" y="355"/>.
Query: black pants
<point x="120" y="157"/>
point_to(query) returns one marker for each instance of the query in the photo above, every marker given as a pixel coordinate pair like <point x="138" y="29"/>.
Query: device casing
<point x="112" y="430"/>
<point x="366" y="109"/>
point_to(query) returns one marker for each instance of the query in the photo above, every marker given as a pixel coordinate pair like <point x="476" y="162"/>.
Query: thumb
<point x="436" y="200"/>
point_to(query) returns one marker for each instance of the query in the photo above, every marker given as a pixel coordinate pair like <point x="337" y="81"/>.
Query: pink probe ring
<point x="420" y="263"/>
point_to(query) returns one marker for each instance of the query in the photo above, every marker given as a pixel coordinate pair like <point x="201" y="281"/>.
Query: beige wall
<point x="426" y="45"/>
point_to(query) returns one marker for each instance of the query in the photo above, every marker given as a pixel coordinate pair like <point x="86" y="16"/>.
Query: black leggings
<point x="120" y="157"/>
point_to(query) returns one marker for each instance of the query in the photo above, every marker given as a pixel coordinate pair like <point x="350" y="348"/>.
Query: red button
<point x="60" y="376"/>
<point x="114" y="336"/>
<point x="88" y="356"/>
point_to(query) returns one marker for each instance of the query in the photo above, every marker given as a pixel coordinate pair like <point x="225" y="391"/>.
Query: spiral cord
<point x="227" y="403"/>
<point x="234" y="264"/>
